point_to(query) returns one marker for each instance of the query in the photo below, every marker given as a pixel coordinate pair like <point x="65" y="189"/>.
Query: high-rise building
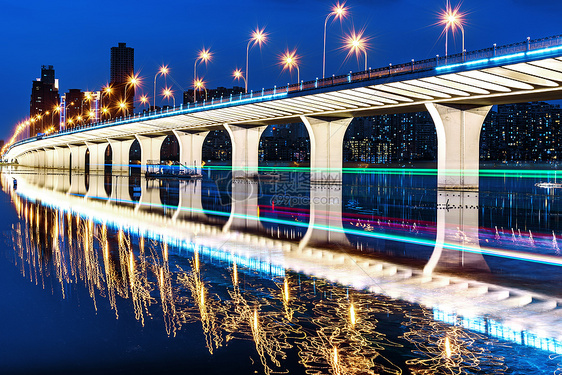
<point x="43" y="112"/>
<point x="122" y="68"/>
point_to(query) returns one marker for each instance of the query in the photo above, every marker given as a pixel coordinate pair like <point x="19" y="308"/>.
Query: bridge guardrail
<point x="405" y="68"/>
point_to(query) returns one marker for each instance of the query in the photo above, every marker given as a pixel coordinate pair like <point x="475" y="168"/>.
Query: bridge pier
<point x="245" y="146"/>
<point x="457" y="226"/>
<point x="191" y="148"/>
<point x="97" y="155"/>
<point x="326" y="147"/>
<point x="325" y="226"/>
<point x="150" y="149"/>
<point x="120" y="151"/>
<point x="458" y="142"/>
<point x="49" y="157"/>
<point x="78" y="154"/>
<point x="62" y="157"/>
<point x="244" y="213"/>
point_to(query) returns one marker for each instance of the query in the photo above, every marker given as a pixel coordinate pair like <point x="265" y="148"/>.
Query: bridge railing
<point x="370" y="74"/>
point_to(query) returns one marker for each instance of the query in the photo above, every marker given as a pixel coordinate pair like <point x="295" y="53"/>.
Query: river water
<point x="381" y="274"/>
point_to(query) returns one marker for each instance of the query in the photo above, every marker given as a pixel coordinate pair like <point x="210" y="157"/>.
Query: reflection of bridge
<point x="183" y="228"/>
<point x="458" y="91"/>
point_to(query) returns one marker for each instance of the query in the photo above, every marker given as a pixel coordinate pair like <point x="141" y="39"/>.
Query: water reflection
<point x="298" y="297"/>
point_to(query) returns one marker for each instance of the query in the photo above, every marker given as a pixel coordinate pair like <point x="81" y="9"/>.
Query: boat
<point x="549" y="185"/>
<point x="157" y="169"/>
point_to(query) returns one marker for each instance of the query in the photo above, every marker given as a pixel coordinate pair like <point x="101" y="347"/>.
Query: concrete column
<point x="325" y="213"/>
<point x="326" y="147"/>
<point x="190" y="205"/>
<point x="150" y="195"/>
<point x="78" y="184"/>
<point x="191" y="148"/>
<point x="41" y="159"/>
<point x="78" y="153"/>
<point x="62" y="157"/>
<point x="458" y="141"/>
<point x="97" y="155"/>
<point x="150" y="149"/>
<point x="244" y="213"/>
<point x="245" y="145"/>
<point x="120" y="154"/>
<point x="97" y="187"/>
<point x="49" y="157"/>
<point x="457" y="243"/>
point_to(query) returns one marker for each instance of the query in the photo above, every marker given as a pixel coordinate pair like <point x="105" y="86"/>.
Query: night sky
<point x="76" y="37"/>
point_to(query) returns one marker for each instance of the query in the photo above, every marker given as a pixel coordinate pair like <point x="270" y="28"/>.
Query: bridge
<point x="457" y="90"/>
<point x="517" y="314"/>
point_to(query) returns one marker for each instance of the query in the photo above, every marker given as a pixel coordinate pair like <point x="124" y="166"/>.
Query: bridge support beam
<point x="97" y="155"/>
<point x="62" y="157"/>
<point x="150" y="149"/>
<point x="49" y="157"/>
<point x="120" y="150"/>
<point x="244" y="214"/>
<point x="458" y="141"/>
<point x="325" y="213"/>
<point x="245" y="145"/>
<point x="326" y="147"/>
<point x="457" y="243"/>
<point x="191" y="148"/>
<point x="78" y="153"/>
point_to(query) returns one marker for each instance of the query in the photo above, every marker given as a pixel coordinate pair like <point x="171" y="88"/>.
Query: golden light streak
<point x="352" y="317"/>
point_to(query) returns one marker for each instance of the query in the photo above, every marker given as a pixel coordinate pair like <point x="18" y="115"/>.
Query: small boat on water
<point x="170" y="170"/>
<point x="549" y="185"/>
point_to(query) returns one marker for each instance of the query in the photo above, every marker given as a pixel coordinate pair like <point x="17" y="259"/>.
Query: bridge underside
<point x="457" y="99"/>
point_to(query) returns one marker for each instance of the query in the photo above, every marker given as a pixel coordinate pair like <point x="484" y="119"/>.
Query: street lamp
<point x="289" y="60"/>
<point x="204" y="56"/>
<point x="56" y="109"/>
<point x="106" y="112"/>
<point x="238" y="74"/>
<point x="144" y="100"/>
<point x="162" y="71"/>
<point x="338" y="11"/>
<point x="452" y="18"/>
<point x="132" y="81"/>
<point x="258" y="37"/>
<point x="106" y="90"/>
<point x="167" y="92"/>
<point x="356" y="43"/>
<point x="199" y="84"/>
<point x="123" y="107"/>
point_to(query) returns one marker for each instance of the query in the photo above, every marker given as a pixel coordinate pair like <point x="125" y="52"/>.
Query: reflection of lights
<point x="352" y="317"/>
<point x="447" y="347"/>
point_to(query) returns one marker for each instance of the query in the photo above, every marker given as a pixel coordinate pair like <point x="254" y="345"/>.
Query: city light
<point x="258" y="37"/>
<point x="167" y="93"/>
<point x="162" y="71"/>
<point x="356" y="43"/>
<point x="339" y="12"/>
<point x="204" y="55"/>
<point x="290" y="60"/>
<point x="452" y="18"/>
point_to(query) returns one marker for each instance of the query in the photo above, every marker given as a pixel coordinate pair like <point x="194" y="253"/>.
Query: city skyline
<point x="88" y="69"/>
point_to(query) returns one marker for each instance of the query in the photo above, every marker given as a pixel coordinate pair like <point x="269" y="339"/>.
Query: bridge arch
<point x="170" y="149"/>
<point x="135" y="155"/>
<point x="108" y="159"/>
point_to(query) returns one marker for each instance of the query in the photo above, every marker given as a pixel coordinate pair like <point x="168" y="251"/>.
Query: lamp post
<point x="167" y="92"/>
<point x="106" y="112"/>
<point x="339" y="11"/>
<point x="144" y="100"/>
<point x="107" y="90"/>
<point x="258" y="36"/>
<point x="162" y="71"/>
<point x="132" y="81"/>
<point x="204" y="56"/>
<point x="452" y="18"/>
<point x="357" y="44"/>
<point x="290" y="61"/>
<point x="199" y="84"/>
<point x="123" y="107"/>
<point x="238" y="74"/>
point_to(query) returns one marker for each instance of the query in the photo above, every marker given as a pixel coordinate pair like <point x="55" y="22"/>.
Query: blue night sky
<point x="76" y="37"/>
